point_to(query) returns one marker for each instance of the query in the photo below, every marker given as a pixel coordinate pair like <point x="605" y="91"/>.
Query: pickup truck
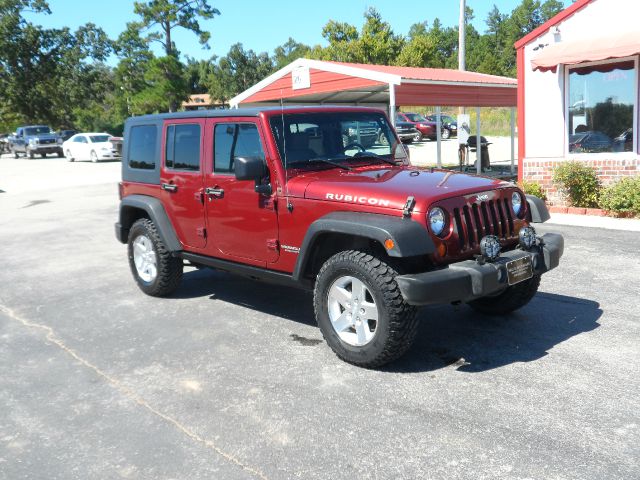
<point x="35" y="139"/>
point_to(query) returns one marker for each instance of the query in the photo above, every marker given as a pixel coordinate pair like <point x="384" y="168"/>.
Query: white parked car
<point x="90" y="146"/>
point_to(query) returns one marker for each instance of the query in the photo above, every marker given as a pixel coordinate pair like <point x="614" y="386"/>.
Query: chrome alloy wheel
<point x="353" y="311"/>
<point x="144" y="258"/>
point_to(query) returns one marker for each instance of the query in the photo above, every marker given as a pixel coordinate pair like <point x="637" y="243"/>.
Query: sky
<point x="263" y="25"/>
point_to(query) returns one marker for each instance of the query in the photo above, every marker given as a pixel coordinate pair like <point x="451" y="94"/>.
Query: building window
<point x="601" y="107"/>
<point x="183" y="147"/>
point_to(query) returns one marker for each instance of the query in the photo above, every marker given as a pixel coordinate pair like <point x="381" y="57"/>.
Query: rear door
<point x="241" y="224"/>
<point x="181" y="179"/>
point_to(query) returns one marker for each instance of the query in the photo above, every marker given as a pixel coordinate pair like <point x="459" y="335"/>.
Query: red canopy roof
<point x="339" y="82"/>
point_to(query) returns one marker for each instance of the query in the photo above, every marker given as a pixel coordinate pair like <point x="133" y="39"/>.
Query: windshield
<point x="415" y="117"/>
<point x="36" y="130"/>
<point x="99" y="138"/>
<point x="308" y="140"/>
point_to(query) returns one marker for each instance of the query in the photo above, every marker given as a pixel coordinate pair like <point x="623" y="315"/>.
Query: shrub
<point x="533" y="188"/>
<point x="622" y="197"/>
<point x="578" y="183"/>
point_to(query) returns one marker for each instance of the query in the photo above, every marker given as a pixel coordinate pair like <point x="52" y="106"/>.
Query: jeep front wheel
<point x="156" y="271"/>
<point x="360" y="310"/>
<point x="510" y="300"/>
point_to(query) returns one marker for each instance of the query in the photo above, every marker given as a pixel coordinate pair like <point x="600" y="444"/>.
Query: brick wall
<point x="609" y="171"/>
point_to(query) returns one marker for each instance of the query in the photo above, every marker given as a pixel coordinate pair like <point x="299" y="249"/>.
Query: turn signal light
<point x="389" y="244"/>
<point x="442" y="250"/>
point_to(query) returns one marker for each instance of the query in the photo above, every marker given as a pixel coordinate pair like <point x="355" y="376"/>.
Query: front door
<point x="241" y="224"/>
<point x="181" y="179"/>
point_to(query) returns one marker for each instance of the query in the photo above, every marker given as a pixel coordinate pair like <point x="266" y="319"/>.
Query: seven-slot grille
<point x="475" y="220"/>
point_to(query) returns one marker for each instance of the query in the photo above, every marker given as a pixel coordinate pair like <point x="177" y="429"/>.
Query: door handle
<point x="214" y="192"/>
<point x="169" y="187"/>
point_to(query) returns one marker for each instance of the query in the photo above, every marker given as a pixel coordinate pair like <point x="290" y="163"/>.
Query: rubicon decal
<point x="290" y="249"/>
<point x="341" y="197"/>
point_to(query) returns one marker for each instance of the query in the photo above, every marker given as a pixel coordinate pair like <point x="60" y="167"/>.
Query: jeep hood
<point x="388" y="186"/>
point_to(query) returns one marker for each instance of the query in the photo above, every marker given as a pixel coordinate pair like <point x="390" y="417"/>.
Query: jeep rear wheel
<point x="156" y="271"/>
<point x="31" y="154"/>
<point x="360" y="310"/>
<point x="510" y="300"/>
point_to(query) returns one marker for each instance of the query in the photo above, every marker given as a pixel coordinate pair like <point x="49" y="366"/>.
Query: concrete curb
<point x="610" y="223"/>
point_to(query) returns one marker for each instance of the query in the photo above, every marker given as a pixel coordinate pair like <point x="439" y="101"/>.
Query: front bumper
<point x="45" y="148"/>
<point x="468" y="280"/>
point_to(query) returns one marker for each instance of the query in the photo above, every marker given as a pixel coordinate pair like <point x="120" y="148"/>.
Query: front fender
<point x="409" y="237"/>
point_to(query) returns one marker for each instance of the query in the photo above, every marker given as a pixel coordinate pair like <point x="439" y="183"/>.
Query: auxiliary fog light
<point x="490" y="247"/>
<point x="527" y="237"/>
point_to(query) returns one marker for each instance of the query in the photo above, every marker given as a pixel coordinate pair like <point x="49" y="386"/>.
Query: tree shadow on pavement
<point x="471" y="342"/>
<point x="449" y="337"/>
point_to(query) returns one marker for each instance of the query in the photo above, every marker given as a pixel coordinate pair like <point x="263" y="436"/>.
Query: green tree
<point x="288" y="52"/>
<point x="45" y="74"/>
<point x="237" y="71"/>
<point x="160" y="18"/>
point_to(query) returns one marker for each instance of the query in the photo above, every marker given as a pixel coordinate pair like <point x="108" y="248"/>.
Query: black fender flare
<point x="409" y="237"/>
<point x="155" y="211"/>
<point x="537" y="209"/>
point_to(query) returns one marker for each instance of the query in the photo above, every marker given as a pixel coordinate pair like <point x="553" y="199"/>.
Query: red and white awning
<point x="591" y="50"/>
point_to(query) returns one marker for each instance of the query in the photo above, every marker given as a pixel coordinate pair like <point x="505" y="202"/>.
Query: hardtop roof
<point x="241" y="112"/>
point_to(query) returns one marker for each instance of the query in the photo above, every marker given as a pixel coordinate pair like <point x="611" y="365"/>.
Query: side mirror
<point x="249" y="168"/>
<point x="252" y="168"/>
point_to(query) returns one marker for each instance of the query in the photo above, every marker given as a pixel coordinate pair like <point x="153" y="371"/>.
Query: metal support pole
<point x="439" y="137"/>
<point x="513" y="138"/>
<point x="461" y="37"/>
<point x="478" y="143"/>
<point x="392" y="104"/>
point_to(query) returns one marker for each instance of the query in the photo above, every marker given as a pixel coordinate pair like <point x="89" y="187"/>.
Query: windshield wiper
<point x="330" y="162"/>
<point x="375" y="156"/>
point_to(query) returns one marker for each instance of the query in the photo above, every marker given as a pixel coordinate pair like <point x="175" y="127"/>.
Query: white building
<point x="578" y="92"/>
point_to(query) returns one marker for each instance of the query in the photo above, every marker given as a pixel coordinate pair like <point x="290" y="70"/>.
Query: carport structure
<point x="312" y="82"/>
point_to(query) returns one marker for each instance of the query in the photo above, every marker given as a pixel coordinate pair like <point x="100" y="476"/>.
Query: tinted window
<point x="235" y="140"/>
<point x="183" y="147"/>
<point x="142" y="147"/>
<point x="99" y="138"/>
<point x="79" y="139"/>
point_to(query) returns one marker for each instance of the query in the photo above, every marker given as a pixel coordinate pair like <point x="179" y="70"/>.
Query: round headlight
<point x="437" y="220"/>
<point x="490" y="247"/>
<point x="527" y="237"/>
<point x="516" y="201"/>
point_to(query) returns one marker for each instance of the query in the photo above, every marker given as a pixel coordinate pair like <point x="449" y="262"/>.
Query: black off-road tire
<point x="31" y="153"/>
<point x="397" y="324"/>
<point x="169" y="267"/>
<point x="513" y="298"/>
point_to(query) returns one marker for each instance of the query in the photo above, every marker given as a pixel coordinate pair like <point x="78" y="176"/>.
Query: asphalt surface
<point x="230" y="378"/>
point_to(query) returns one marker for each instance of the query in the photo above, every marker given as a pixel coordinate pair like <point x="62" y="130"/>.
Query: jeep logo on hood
<point x="340" y="197"/>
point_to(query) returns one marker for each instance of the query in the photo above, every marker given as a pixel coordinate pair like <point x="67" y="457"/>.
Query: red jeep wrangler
<point x="278" y="194"/>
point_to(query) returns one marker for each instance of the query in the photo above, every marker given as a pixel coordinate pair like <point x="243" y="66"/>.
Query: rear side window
<point x="235" y="140"/>
<point x="142" y="147"/>
<point x="183" y="147"/>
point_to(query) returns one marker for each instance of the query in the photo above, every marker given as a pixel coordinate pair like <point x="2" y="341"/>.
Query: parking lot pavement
<point x="229" y="378"/>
